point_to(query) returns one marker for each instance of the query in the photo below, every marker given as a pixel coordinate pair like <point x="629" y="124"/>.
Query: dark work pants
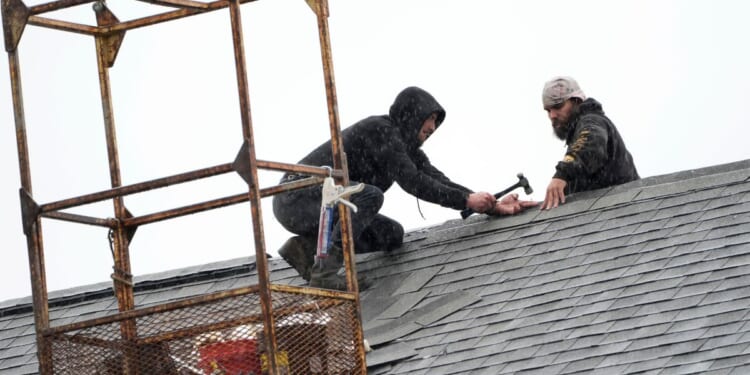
<point x="299" y="212"/>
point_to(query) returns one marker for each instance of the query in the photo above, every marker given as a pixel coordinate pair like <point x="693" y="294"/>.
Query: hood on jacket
<point x="590" y="105"/>
<point x="410" y="109"/>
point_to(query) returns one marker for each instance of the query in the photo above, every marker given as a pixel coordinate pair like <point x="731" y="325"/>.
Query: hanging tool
<point x="332" y="194"/>
<point x="522" y="182"/>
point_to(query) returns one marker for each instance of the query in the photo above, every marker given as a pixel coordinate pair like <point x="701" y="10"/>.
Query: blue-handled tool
<point x="332" y="194"/>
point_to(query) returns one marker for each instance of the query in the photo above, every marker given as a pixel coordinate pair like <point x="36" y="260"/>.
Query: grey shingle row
<point x="653" y="261"/>
<point x="648" y="277"/>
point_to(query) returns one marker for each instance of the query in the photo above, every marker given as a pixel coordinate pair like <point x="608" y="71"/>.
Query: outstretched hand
<point x="510" y="205"/>
<point x="555" y="194"/>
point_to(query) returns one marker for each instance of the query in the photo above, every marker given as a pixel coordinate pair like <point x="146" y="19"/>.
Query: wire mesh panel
<point x="314" y="335"/>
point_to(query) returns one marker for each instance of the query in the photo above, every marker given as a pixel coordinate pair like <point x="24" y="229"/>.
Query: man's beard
<point x="561" y="131"/>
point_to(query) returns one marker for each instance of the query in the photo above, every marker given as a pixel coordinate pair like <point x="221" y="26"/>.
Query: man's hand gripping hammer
<point x="522" y="182"/>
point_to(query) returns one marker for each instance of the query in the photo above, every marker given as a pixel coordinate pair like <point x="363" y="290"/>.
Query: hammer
<point x="522" y="182"/>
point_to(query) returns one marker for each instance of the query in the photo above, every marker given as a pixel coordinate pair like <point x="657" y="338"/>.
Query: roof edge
<point x="179" y="276"/>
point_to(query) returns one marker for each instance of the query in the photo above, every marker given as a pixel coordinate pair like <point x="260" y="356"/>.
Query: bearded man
<point x="596" y="156"/>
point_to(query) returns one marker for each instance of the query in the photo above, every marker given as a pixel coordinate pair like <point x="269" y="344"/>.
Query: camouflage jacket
<point x="596" y="156"/>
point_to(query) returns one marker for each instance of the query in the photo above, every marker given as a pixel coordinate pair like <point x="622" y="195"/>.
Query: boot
<point x="299" y="252"/>
<point x="328" y="273"/>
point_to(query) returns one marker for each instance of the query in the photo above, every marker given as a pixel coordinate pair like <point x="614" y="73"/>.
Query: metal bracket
<point x="29" y="211"/>
<point x="318" y="6"/>
<point x="15" y="16"/>
<point x="241" y="164"/>
<point x="110" y="43"/>
<point x="130" y="230"/>
<point x="122" y="277"/>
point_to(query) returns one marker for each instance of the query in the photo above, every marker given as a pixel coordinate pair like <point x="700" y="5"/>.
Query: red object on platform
<point x="238" y="357"/>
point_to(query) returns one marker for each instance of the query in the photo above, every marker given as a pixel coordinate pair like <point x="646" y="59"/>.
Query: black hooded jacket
<point x="385" y="149"/>
<point x="596" y="156"/>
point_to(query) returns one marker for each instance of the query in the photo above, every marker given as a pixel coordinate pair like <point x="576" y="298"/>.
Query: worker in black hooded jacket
<point x="596" y="156"/>
<point x="380" y="150"/>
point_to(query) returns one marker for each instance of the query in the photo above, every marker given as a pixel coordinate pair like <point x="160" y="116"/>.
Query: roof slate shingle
<point x="647" y="277"/>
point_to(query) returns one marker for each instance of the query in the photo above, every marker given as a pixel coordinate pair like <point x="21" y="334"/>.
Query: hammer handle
<point x="468" y="211"/>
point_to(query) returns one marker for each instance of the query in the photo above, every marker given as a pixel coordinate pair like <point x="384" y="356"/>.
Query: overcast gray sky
<point x="672" y="75"/>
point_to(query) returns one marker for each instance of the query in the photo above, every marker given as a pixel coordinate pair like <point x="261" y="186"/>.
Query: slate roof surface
<point x="650" y="277"/>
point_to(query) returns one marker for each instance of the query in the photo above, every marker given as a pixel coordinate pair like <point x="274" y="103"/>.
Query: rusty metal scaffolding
<point x="286" y="325"/>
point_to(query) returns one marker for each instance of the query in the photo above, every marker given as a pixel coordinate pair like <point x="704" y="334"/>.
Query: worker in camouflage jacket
<point x="380" y="150"/>
<point x="596" y="156"/>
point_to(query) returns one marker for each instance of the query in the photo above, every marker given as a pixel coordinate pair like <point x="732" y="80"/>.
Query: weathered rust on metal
<point x="299" y="168"/>
<point x="197" y="329"/>
<point x="34" y="245"/>
<point x="29" y="211"/>
<point x="163" y="17"/>
<point x="188" y="8"/>
<point x="185" y="210"/>
<point x="81" y="219"/>
<point x="331" y="299"/>
<point x="348" y="246"/>
<point x="123" y="290"/>
<point x="47" y="210"/>
<point x="33" y="228"/>
<point x="57" y="5"/>
<point x="180" y="211"/>
<point x="15" y="15"/>
<point x="310" y="328"/>
<point x="289" y="186"/>
<point x="321" y="11"/>
<point x="179" y="3"/>
<point x="200" y="328"/>
<point x="138" y="313"/>
<point x="91" y="341"/>
<point x="253" y="190"/>
<point x="176" y="179"/>
<point x="339" y="158"/>
<point x="122" y="191"/>
<point x="169" y="16"/>
<point x="351" y="273"/>
<point x="63" y="25"/>
<point x="320" y="8"/>
<point x="218" y="203"/>
<point x="22" y="147"/>
<point x="328" y="293"/>
<point x="109" y="34"/>
<point x="242" y="165"/>
<point x="110" y="42"/>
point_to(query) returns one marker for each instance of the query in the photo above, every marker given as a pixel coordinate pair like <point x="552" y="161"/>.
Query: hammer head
<point x="524" y="183"/>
